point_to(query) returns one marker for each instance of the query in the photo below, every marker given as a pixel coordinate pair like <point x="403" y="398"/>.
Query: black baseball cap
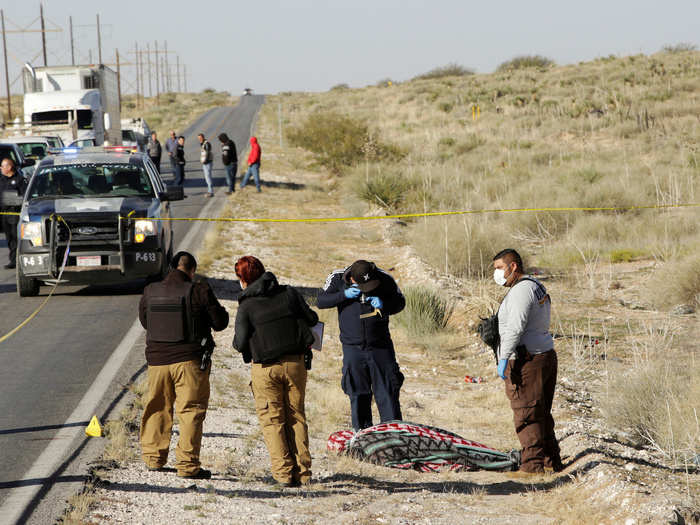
<point x="365" y="274"/>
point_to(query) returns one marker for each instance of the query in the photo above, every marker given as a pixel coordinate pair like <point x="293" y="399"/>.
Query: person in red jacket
<point x="253" y="164"/>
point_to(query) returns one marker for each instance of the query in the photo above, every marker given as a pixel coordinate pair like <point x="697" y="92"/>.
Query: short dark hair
<point x="201" y="135"/>
<point x="510" y="255"/>
<point x="184" y="261"/>
<point x="223" y="137"/>
<point x="249" y="269"/>
<point x="181" y="137"/>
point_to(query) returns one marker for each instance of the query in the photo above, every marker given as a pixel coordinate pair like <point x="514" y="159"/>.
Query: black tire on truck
<point x="26" y="286"/>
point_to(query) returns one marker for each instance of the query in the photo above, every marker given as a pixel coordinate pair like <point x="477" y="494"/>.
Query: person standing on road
<point x="253" y="164"/>
<point x="207" y="160"/>
<point x="180" y="161"/>
<point x="366" y="297"/>
<point x="154" y="149"/>
<point x="527" y="362"/>
<point x="273" y="330"/>
<point x="12" y="187"/>
<point x="171" y="148"/>
<point x="178" y="315"/>
<point x="229" y="157"/>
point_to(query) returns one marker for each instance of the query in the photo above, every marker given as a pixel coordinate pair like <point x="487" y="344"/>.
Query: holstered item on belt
<point x="522" y="357"/>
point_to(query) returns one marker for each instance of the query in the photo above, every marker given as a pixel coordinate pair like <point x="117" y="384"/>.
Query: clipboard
<point x="317" y="330"/>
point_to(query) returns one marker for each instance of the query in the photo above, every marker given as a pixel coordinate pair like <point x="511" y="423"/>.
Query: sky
<point x="313" y="45"/>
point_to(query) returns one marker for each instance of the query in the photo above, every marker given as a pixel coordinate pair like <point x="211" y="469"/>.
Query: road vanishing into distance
<point x="49" y="365"/>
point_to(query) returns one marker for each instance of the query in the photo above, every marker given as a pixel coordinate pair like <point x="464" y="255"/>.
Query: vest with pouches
<point x="169" y="314"/>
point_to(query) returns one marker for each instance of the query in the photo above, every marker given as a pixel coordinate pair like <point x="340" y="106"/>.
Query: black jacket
<point x="272" y="321"/>
<point x="11" y="194"/>
<point x="228" y="153"/>
<point x="180" y="154"/>
<point x="370" y="332"/>
<point x="207" y="313"/>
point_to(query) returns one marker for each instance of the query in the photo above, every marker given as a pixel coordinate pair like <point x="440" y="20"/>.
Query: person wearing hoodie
<point x="229" y="157"/>
<point x="253" y="164"/>
<point x="273" y="331"/>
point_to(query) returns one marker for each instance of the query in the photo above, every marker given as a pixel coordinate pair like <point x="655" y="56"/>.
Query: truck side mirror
<point x="173" y="193"/>
<point x="107" y="121"/>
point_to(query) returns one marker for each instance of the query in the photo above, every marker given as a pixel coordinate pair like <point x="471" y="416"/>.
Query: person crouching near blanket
<point x="273" y="330"/>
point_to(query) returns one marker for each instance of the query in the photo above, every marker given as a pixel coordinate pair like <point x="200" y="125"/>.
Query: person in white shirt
<point x="527" y="362"/>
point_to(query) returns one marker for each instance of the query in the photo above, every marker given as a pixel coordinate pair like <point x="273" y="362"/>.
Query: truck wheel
<point x="26" y="286"/>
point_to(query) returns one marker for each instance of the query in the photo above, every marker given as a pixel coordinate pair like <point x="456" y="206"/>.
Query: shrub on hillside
<point x="339" y="141"/>
<point x="681" y="47"/>
<point x="387" y="190"/>
<point x="340" y="87"/>
<point x="450" y="70"/>
<point x="427" y="311"/>
<point x="676" y="282"/>
<point x="526" y="61"/>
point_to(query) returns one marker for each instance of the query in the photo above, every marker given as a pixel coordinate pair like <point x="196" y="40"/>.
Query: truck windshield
<point x="61" y="117"/>
<point x="129" y="135"/>
<point x="91" y="180"/>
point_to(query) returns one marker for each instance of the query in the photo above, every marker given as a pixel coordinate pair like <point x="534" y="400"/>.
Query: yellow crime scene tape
<point x="348" y="219"/>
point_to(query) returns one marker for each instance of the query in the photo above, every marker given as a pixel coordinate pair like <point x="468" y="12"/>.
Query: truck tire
<point x="26" y="286"/>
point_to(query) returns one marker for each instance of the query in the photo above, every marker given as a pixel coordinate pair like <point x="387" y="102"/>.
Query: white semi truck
<point x="78" y="103"/>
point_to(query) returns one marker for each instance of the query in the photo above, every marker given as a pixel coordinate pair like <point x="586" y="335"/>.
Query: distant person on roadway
<point x="527" y="363"/>
<point x="154" y="149"/>
<point x="273" y="330"/>
<point x="171" y="148"/>
<point x="207" y="160"/>
<point x="253" y="164"/>
<point x="12" y="187"/>
<point x="366" y="297"/>
<point x="178" y="315"/>
<point x="180" y="161"/>
<point x="229" y="157"/>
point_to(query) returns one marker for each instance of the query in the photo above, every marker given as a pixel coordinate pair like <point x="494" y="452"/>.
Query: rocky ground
<point x="606" y="480"/>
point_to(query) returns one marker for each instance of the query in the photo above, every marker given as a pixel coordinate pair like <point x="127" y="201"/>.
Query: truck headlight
<point x="142" y="229"/>
<point x="32" y="232"/>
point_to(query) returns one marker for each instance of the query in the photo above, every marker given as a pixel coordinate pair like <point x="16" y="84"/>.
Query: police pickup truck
<point x="93" y="209"/>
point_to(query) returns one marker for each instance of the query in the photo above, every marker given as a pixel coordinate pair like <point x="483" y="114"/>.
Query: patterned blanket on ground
<point x="405" y="445"/>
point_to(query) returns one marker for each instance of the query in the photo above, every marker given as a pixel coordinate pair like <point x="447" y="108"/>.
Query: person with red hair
<point x="273" y="331"/>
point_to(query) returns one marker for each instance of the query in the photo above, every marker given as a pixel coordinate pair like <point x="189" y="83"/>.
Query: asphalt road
<point x="46" y="368"/>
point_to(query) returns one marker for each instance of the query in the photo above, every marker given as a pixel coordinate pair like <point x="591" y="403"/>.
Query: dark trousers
<point x="530" y="384"/>
<point x="156" y="161"/>
<point x="173" y="164"/>
<point x="179" y="175"/>
<point x="371" y="372"/>
<point x="9" y="228"/>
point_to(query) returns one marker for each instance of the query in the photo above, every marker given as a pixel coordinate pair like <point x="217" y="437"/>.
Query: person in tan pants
<point x="177" y="374"/>
<point x="272" y="330"/>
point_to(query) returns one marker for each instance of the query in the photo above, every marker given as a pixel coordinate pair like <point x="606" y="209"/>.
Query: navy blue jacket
<point x="370" y="332"/>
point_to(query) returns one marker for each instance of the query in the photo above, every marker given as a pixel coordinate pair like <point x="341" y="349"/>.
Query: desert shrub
<point x="336" y="140"/>
<point x="340" y="87"/>
<point x="450" y="70"/>
<point x="676" y="282"/>
<point x="446" y="142"/>
<point x="387" y="189"/>
<point x="655" y="402"/>
<point x="626" y="255"/>
<point x="681" y="47"/>
<point x="445" y="106"/>
<point x="526" y="61"/>
<point x="427" y="311"/>
<point x="209" y="91"/>
<point x="385" y="82"/>
<point x="472" y="142"/>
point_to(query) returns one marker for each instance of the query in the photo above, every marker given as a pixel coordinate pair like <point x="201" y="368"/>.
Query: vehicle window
<point x="128" y="134"/>
<point x="9" y="153"/>
<point x="91" y="180"/>
<point x="155" y="177"/>
<point x="50" y="117"/>
<point x="53" y="142"/>
<point x="84" y="119"/>
<point x="33" y="150"/>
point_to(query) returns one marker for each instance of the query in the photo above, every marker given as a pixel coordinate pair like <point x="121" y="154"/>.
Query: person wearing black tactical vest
<point x="178" y="315"/>
<point x="229" y="157"/>
<point x="366" y="297"/>
<point x="12" y="187"/>
<point x="273" y="330"/>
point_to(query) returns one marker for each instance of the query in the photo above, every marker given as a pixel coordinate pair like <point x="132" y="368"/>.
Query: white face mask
<point x="499" y="275"/>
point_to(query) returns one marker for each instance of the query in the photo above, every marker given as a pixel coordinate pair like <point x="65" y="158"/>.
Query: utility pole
<point x="7" y="75"/>
<point x="138" y="74"/>
<point x="167" y="68"/>
<point x="148" y="59"/>
<point x="163" y="74"/>
<point x="178" y="73"/>
<point x="184" y="74"/>
<point x="119" y="81"/>
<point x="90" y="56"/>
<point x="72" y="47"/>
<point x="157" y="80"/>
<point x="99" y="40"/>
<point x="43" y="32"/>
<point x="143" y="87"/>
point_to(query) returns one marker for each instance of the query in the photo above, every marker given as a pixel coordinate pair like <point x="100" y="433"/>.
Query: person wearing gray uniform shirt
<point x="527" y="363"/>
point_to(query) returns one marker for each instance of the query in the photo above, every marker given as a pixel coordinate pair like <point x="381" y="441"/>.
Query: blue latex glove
<point x="376" y="302"/>
<point x="353" y="292"/>
<point x="502" y="363"/>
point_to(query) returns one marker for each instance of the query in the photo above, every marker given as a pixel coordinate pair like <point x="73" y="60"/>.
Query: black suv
<point x="93" y="209"/>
